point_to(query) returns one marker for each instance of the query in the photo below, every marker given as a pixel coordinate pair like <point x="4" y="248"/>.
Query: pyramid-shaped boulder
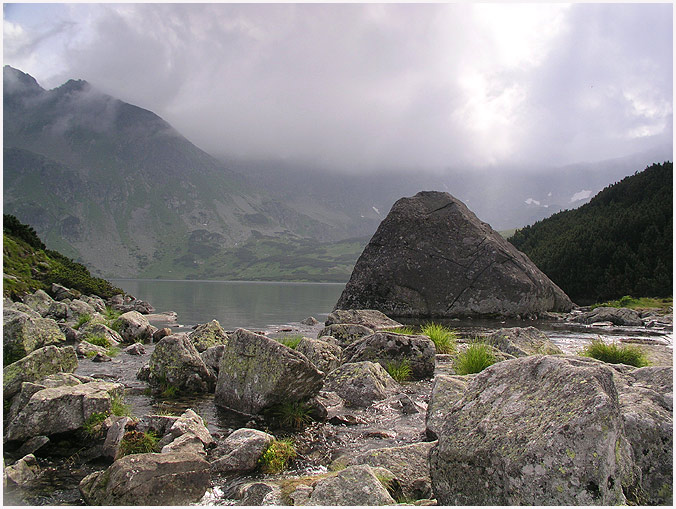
<point x="431" y="257"/>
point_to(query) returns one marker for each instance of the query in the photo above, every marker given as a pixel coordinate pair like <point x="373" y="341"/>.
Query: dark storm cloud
<point x="355" y="87"/>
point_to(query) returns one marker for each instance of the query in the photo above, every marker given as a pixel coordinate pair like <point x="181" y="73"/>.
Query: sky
<point x="357" y="87"/>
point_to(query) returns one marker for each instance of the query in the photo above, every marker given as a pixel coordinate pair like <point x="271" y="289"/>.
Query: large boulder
<point x="23" y="333"/>
<point x="176" y="363"/>
<point x="355" y="486"/>
<point x="388" y="347"/>
<point x="432" y="257"/>
<point x="40" y="301"/>
<point x="191" y="424"/>
<point x="538" y="430"/>
<point x="207" y="335"/>
<point x="371" y="318"/>
<point x="212" y="357"/>
<point x="446" y="392"/>
<point x="324" y="355"/>
<point x="522" y="341"/>
<point x="100" y="330"/>
<point x="359" y="384"/>
<point x="148" y="479"/>
<point x="60" y="409"/>
<point x="257" y="373"/>
<point x="345" y="333"/>
<point x="617" y="316"/>
<point x="134" y="327"/>
<point x="241" y="451"/>
<point x="37" y="365"/>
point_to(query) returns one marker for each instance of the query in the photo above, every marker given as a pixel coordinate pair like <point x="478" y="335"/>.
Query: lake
<point x="246" y="304"/>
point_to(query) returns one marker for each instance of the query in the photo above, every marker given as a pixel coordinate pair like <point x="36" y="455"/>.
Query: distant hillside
<point x="29" y="266"/>
<point x="620" y="243"/>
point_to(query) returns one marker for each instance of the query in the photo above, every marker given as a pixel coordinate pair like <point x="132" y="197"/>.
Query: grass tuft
<point x="135" y="442"/>
<point x="98" y="340"/>
<point x="399" y="370"/>
<point x="475" y="359"/>
<point x="291" y="341"/>
<point x="443" y="338"/>
<point x="92" y="426"/>
<point x="615" y="354"/>
<point x="278" y="455"/>
<point x="294" y="414"/>
<point x="407" y="329"/>
<point x="663" y="304"/>
<point x="119" y="408"/>
<point x="82" y="319"/>
<point x="111" y="314"/>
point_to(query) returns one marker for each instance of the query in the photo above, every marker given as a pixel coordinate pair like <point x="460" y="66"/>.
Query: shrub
<point x="442" y="337"/>
<point x="135" y="442"/>
<point x="277" y="456"/>
<point x="291" y="341"/>
<point x="399" y="370"/>
<point x="475" y="359"/>
<point x="615" y="354"/>
<point x="82" y="320"/>
<point x="294" y="414"/>
<point x="119" y="408"/>
<point x="98" y="340"/>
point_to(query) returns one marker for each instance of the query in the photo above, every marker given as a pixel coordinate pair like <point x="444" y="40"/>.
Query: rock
<point x="617" y="316"/>
<point x="135" y="349"/>
<point x="189" y="423"/>
<point x="259" y="493"/>
<point x="71" y="334"/>
<point x="207" y="335"/>
<point x="158" y="424"/>
<point x="61" y="292"/>
<point x="114" y="436"/>
<point x="212" y="357"/>
<point x="370" y="318"/>
<point x="257" y="373"/>
<point x="408" y="463"/>
<point x="86" y="349"/>
<point x="175" y="362"/>
<point x="38" y="301"/>
<point x="345" y="333"/>
<point x="387" y="347"/>
<point x="33" y="445"/>
<point x="95" y="301"/>
<point x="23" y="308"/>
<point x="356" y="486"/>
<point x="522" y="341"/>
<point x="23" y="471"/>
<point x="100" y="330"/>
<point x="310" y="320"/>
<point x="37" y="365"/>
<point x="101" y="357"/>
<point x="241" y="451"/>
<point x="22" y="334"/>
<point x="432" y="257"/>
<point x="646" y="404"/>
<point x="446" y="392"/>
<point x="143" y="307"/>
<point x="60" y="409"/>
<point x="58" y="311"/>
<point x="359" y="384"/>
<point x="301" y="495"/>
<point x="148" y="479"/>
<point x="184" y="444"/>
<point x="325" y="356"/>
<point x="134" y="327"/>
<point x="161" y="333"/>
<point x="78" y="308"/>
<point x="537" y="430"/>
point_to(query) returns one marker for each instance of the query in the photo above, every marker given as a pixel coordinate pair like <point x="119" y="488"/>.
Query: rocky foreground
<point x="536" y="428"/>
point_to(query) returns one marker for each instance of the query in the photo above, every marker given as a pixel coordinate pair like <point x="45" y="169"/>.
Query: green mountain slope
<point x="620" y="243"/>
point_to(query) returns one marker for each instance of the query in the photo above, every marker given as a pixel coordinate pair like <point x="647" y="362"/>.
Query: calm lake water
<point x="246" y="304"/>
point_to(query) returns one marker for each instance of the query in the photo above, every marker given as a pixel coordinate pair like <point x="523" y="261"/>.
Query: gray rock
<point x="39" y="301"/>
<point x="409" y="465"/>
<point x="388" y="347"/>
<point x="259" y="493"/>
<point x="189" y="423"/>
<point x="212" y="357"/>
<point x="60" y="409"/>
<point x="23" y="308"/>
<point x="537" y="430"/>
<point x="345" y="333"/>
<point x="32" y="445"/>
<point x="23" y="471"/>
<point x="86" y="349"/>
<point x="101" y="357"/>
<point x="241" y="451"/>
<point x="94" y="301"/>
<point x="98" y="329"/>
<point x="617" y="316"/>
<point x="355" y="486"/>
<point x="78" y="308"/>
<point x="161" y="333"/>
<point x="61" y="292"/>
<point x="148" y="479"/>
<point x="114" y="436"/>
<point x="359" y="384"/>
<point x="58" y="311"/>
<point x="158" y="424"/>
<point x="37" y="365"/>
<point x="22" y="334"/>
<point x="370" y="318"/>
<point x="522" y="341"/>
<point x="207" y="335"/>
<point x="185" y="444"/>
<point x="142" y="307"/>
<point x="446" y="392"/>
<point x="432" y="257"/>
<point x="175" y="362"/>
<point x="325" y="356"/>
<point x="135" y="349"/>
<point x="134" y="327"/>
<point x="257" y="373"/>
<point x="310" y="320"/>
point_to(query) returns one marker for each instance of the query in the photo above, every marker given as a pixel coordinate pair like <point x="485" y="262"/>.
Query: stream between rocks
<point x="318" y="444"/>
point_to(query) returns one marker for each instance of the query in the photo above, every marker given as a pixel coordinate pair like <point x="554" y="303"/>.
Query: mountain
<point x="620" y="243"/>
<point x="117" y="187"/>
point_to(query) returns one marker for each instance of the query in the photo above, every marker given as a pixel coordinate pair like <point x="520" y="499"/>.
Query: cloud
<point x="356" y="87"/>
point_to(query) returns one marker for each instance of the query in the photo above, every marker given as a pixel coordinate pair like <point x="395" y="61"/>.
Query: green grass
<point x="444" y="339"/>
<point x="277" y="457"/>
<point x="663" y="304"/>
<point x="399" y="370"/>
<point x="407" y="329"/>
<point x="98" y="340"/>
<point x="82" y="320"/>
<point x="113" y="351"/>
<point x="475" y="359"/>
<point x="615" y="354"/>
<point x="111" y="314"/>
<point x="92" y="426"/>
<point x="119" y="408"/>
<point x="135" y="442"/>
<point x="295" y="414"/>
<point x="169" y="391"/>
<point x="291" y="341"/>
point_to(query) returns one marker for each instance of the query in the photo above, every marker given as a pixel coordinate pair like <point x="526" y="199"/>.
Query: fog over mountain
<point x="374" y="88"/>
